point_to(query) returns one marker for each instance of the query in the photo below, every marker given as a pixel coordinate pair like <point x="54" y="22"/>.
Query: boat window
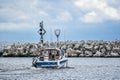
<point x="41" y="58"/>
<point x="50" y="55"/>
<point x="53" y="55"/>
<point x="57" y="55"/>
<point x="45" y="53"/>
<point x="54" y="52"/>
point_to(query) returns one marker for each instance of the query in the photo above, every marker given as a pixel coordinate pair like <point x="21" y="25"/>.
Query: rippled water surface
<point x="79" y="69"/>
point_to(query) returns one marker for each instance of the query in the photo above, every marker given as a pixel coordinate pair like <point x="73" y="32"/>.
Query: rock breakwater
<point x="71" y="48"/>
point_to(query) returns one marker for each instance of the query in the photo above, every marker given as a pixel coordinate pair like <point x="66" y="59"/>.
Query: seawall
<point x="71" y="48"/>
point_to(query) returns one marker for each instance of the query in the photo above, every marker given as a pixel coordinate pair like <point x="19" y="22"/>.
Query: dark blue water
<point x="79" y="69"/>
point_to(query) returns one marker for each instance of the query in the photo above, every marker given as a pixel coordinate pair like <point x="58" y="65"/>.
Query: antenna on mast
<point x="57" y="33"/>
<point x="41" y="32"/>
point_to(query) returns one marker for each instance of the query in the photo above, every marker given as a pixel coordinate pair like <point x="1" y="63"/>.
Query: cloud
<point x="64" y="17"/>
<point x="20" y="15"/>
<point x="42" y="13"/>
<point x="91" y="17"/>
<point x="97" y="10"/>
<point x="14" y="26"/>
<point x="22" y="12"/>
<point x="31" y="12"/>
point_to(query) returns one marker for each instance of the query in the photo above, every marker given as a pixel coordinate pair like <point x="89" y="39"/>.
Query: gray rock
<point x="82" y="55"/>
<point x="88" y="53"/>
<point x="88" y="47"/>
<point x="70" y="52"/>
<point x="78" y="52"/>
<point x="114" y="54"/>
<point x="96" y="47"/>
<point x="98" y="54"/>
<point x="116" y="49"/>
<point x="103" y="50"/>
<point x="108" y="47"/>
<point x="64" y="47"/>
<point x="76" y="47"/>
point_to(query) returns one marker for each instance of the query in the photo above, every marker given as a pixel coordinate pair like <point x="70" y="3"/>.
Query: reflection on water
<point x="79" y="69"/>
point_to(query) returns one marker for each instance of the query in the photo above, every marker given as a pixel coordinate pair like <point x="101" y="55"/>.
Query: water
<point x="79" y="69"/>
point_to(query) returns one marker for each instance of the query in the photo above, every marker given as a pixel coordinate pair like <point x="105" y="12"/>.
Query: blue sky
<point x="77" y="19"/>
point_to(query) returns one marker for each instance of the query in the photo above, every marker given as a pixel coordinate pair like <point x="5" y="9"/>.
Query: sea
<point x="20" y="68"/>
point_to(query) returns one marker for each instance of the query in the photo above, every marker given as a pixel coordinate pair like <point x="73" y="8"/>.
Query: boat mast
<point x="41" y="32"/>
<point x="57" y="33"/>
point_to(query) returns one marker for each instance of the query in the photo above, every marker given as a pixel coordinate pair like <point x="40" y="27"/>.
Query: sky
<point x="77" y="19"/>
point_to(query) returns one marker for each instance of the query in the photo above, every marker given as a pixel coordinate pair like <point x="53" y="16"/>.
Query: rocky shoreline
<point x="71" y="48"/>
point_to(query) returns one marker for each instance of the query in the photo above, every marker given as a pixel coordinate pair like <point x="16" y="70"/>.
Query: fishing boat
<point x="50" y="57"/>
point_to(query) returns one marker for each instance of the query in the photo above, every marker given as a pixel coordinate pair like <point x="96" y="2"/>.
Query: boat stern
<point x="46" y="64"/>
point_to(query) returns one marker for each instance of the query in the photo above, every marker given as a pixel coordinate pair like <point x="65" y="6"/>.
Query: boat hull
<point x="58" y="63"/>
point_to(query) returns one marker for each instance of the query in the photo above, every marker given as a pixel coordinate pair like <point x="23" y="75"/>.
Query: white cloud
<point x="64" y="17"/>
<point x="100" y="7"/>
<point x="111" y="13"/>
<point x="20" y="17"/>
<point x="15" y="13"/>
<point x="14" y="26"/>
<point x="23" y="13"/>
<point x="34" y="3"/>
<point x="91" y="17"/>
<point x="42" y="13"/>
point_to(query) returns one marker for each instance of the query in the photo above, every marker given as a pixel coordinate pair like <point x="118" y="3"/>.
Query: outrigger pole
<point x="41" y="32"/>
